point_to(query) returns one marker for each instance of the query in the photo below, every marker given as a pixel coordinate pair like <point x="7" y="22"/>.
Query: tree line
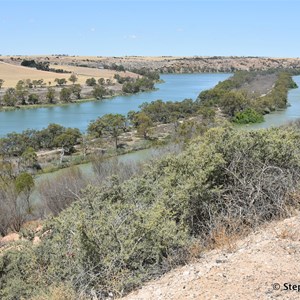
<point x="236" y="104"/>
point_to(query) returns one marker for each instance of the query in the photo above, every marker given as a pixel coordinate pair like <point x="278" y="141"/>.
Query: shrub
<point x="248" y="116"/>
<point x="116" y="236"/>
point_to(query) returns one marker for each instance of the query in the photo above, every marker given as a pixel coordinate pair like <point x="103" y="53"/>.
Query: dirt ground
<point x="264" y="265"/>
<point x="261" y="85"/>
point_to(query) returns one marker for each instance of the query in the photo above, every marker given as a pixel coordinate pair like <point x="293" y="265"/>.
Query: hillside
<point x="11" y="74"/>
<point x="246" y="269"/>
<point x="85" y="72"/>
<point x="167" y="64"/>
<point x="118" y="234"/>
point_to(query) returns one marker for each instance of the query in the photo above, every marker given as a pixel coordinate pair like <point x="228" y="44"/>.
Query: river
<point x="173" y="89"/>
<point x="176" y="87"/>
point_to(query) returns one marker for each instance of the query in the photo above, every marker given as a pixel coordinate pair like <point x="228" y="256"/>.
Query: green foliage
<point x="110" y="124"/>
<point x="153" y="75"/>
<point x="60" y="81"/>
<point x="248" y="116"/>
<point x="24" y="183"/>
<point x="123" y="79"/>
<point x="65" y="94"/>
<point x="233" y="101"/>
<point x="14" y="144"/>
<point x="207" y="113"/>
<point x="21" y="92"/>
<point x="91" y="81"/>
<point x="50" y="96"/>
<point x="277" y="98"/>
<point x="167" y="112"/>
<point x="99" y="91"/>
<point x="138" y="85"/>
<point x="68" y="139"/>
<point x="143" y="123"/>
<point x="116" y="236"/>
<point x="76" y="90"/>
<point x="101" y="81"/>
<point x="33" y="98"/>
<point x="10" y="97"/>
<point x="20" y="268"/>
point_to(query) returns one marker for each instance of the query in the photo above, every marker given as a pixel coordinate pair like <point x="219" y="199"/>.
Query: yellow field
<point x="11" y="74"/>
<point x="92" y="72"/>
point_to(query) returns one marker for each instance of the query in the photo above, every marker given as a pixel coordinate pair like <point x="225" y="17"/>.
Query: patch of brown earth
<point x="264" y="265"/>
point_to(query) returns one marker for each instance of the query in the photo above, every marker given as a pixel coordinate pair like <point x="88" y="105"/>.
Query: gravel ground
<point x="264" y="265"/>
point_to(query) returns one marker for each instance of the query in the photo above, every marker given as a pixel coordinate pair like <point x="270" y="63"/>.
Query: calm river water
<point x="193" y="83"/>
<point x="176" y="88"/>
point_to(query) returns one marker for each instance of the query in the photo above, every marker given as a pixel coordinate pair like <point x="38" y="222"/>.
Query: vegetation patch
<point x="241" y="105"/>
<point x="115" y="236"/>
<point x="248" y="116"/>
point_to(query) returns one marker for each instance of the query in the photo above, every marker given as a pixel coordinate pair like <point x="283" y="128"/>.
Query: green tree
<point x="233" y="102"/>
<point x="143" y="123"/>
<point x="21" y="92"/>
<point x="60" y="81"/>
<point x="91" y="81"/>
<point x="111" y="124"/>
<point x="29" y="158"/>
<point x="24" y="183"/>
<point x="33" y="98"/>
<point x="67" y="140"/>
<point x="50" y="95"/>
<point x="10" y="97"/>
<point x="76" y="90"/>
<point x="101" y="81"/>
<point x="65" y="95"/>
<point x="99" y="91"/>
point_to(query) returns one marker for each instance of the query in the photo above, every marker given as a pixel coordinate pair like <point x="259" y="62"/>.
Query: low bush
<point x="248" y="116"/>
<point x="114" y="237"/>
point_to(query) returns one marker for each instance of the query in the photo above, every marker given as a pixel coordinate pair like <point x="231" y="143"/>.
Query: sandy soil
<point x="261" y="85"/>
<point x="254" y="268"/>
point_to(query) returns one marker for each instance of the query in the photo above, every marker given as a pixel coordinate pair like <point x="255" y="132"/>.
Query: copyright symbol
<point x="276" y="286"/>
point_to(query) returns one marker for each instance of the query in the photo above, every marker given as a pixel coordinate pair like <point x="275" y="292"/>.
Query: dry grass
<point x="60" y="292"/>
<point x="13" y="73"/>
<point x="84" y="72"/>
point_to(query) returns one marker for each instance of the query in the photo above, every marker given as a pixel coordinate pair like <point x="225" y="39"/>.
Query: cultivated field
<point x="84" y="72"/>
<point x="12" y="73"/>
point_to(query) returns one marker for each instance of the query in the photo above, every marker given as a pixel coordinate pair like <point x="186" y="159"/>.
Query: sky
<point x="150" y="28"/>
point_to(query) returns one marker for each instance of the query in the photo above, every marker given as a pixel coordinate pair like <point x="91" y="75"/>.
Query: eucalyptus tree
<point x="110" y="124"/>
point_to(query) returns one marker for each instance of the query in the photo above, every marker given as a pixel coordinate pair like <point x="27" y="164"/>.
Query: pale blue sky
<point x="121" y="27"/>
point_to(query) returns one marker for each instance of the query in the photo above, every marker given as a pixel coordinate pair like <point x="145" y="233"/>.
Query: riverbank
<point x="78" y="115"/>
<point x="247" y="96"/>
<point x="117" y="93"/>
